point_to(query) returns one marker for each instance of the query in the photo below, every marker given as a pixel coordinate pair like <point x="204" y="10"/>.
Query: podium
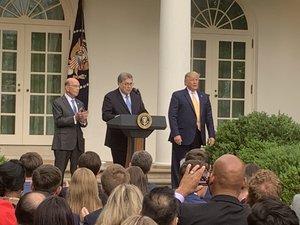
<point x="135" y="135"/>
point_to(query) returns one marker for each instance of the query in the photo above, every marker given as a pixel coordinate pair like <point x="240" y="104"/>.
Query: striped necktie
<point x="128" y="103"/>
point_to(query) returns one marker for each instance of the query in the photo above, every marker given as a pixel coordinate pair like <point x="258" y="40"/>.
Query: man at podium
<point x="123" y="100"/>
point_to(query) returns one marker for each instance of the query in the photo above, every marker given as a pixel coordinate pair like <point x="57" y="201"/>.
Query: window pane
<point x="239" y="49"/>
<point x="38" y="41"/>
<point x="224" y="108"/>
<point x="53" y="84"/>
<point x="225" y="50"/>
<point x="8" y="103"/>
<point x="199" y="66"/>
<point x="37" y="104"/>
<point x="9" y="40"/>
<point x="224" y="89"/>
<point x="237" y="108"/>
<point x="55" y="13"/>
<point x="240" y="23"/>
<point x="238" y="89"/>
<point x="54" y="42"/>
<point x="7" y="125"/>
<point x="36" y="125"/>
<point x="49" y="125"/>
<point x="235" y="11"/>
<point x="50" y="100"/>
<point x="37" y="62"/>
<point x="238" y="70"/>
<point x="9" y="61"/>
<point x="8" y="83"/>
<point x="54" y="63"/>
<point x="199" y="49"/>
<point x="224" y="69"/>
<point x="202" y="85"/>
<point x="37" y="84"/>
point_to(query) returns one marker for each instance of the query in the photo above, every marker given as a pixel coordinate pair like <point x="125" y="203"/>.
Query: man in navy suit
<point x="189" y="115"/>
<point x="123" y="100"/>
<point x="69" y="116"/>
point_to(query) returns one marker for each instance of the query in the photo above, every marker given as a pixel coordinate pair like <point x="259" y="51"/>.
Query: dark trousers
<point x="63" y="156"/>
<point x="119" y="156"/>
<point x="178" y="153"/>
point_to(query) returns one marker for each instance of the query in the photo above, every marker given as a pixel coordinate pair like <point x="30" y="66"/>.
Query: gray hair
<point x="124" y="76"/>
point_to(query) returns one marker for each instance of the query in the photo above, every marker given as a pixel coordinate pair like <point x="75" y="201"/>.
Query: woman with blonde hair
<point x="83" y="191"/>
<point x="139" y="220"/>
<point x="124" y="201"/>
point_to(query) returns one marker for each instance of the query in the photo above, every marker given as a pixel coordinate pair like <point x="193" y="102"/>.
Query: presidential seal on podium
<point x="144" y="120"/>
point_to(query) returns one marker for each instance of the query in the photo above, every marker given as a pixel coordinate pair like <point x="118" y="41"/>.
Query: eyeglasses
<point x="128" y="84"/>
<point x="74" y="86"/>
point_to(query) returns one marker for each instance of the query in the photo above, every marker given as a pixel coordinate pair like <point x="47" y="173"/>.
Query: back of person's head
<point x="227" y="176"/>
<point x="272" y="212"/>
<point x="90" y="160"/>
<point x="112" y="176"/>
<point x="53" y="210"/>
<point x="193" y="163"/>
<point x="124" y="201"/>
<point x="160" y="205"/>
<point x="263" y="184"/>
<point x="198" y="154"/>
<point x="12" y="177"/>
<point x="142" y="159"/>
<point x="251" y="169"/>
<point x="139" y="220"/>
<point x="138" y="178"/>
<point x="31" y="161"/>
<point x="83" y="191"/>
<point x="47" y="178"/>
<point x="27" y="205"/>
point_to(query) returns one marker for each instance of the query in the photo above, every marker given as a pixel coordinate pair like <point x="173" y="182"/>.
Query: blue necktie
<point x="74" y="106"/>
<point x="127" y="101"/>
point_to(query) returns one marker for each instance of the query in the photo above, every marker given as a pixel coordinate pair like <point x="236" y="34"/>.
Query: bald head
<point x="27" y="205"/>
<point x="227" y="176"/>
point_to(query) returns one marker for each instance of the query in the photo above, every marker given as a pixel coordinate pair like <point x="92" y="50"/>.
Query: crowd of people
<point x="227" y="192"/>
<point x="201" y="193"/>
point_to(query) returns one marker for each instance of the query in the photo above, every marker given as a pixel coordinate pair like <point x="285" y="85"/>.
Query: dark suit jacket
<point x="221" y="210"/>
<point x="113" y="105"/>
<point x="66" y="133"/>
<point x="182" y="117"/>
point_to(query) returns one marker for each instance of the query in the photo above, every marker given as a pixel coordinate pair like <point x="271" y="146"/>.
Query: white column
<point x="174" y="63"/>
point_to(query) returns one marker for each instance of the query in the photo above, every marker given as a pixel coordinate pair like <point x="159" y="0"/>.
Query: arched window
<point x="34" y="41"/>
<point x="45" y="9"/>
<point x="223" y="14"/>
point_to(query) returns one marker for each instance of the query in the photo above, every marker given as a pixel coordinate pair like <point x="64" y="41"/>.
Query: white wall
<point x="277" y="45"/>
<point x="121" y="36"/>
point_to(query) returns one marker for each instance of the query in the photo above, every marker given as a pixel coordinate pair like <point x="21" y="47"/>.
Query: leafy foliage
<point x="271" y="142"/>
<point x="2" y="159"/>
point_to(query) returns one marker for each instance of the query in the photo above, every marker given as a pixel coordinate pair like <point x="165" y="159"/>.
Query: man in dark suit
<point x="123" y="100"/>
<point x="225" y="183"/>
<point x="69" y="116"/>
<point x="189" y="114"/>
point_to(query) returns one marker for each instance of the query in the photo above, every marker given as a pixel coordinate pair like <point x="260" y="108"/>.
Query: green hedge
<point x="2" y="159"/>
<point x="271" y="142"/>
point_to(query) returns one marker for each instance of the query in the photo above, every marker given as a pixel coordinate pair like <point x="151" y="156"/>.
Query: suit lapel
<point x="188" y="97"/>
<point x="201" y="100"/>
<point x="121" y="100"/>
<point x="65" y="101"/>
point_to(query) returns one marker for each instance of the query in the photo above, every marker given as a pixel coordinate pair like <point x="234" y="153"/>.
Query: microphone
<point x="136" y="90"/>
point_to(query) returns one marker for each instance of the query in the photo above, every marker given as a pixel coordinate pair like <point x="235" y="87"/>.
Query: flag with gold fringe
<point x="78" y="63"/>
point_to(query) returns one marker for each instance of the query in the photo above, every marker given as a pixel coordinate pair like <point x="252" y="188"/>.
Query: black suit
<point x="220" y="210"/>
<point x="113" y="105"/>
<point x="68" y="141"/>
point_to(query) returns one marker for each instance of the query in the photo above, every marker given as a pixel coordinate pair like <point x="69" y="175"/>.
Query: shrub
<point x="2" y="159"/>
<point x="271" y="142"/>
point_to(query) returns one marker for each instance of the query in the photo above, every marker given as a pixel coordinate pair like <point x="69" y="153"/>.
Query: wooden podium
<point x="136" y="135"/>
